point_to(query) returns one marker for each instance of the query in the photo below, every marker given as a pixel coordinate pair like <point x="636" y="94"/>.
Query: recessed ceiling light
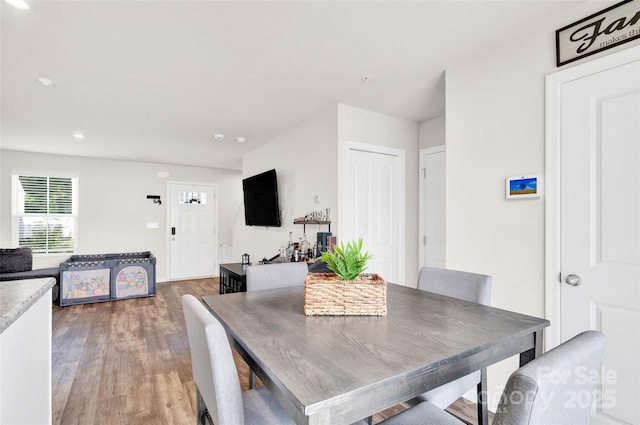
<point x="218" y="136"/>
<point x="18" y="4"/>
<point x="47" y="82"/>
<point x="78" y="136"/>
<point x="241" y="139"/>
<point x="366" y="78"/>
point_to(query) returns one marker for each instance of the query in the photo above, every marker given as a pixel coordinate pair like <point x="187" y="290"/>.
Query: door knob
<point x="573" y="280"/>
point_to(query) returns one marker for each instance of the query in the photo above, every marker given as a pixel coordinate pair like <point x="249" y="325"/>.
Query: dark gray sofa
<point x="17" y="264"/>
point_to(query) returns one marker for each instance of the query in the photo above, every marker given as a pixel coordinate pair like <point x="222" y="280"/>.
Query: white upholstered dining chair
<point x="539" y="393"/>
<point x="276" y="275"/>
<point x="216" y="378"/>
<point x="272" y="276"/>
<point x="466" y="286"/>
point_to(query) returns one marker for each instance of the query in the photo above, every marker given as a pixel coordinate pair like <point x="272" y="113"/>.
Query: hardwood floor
<point x="128" y="362"/>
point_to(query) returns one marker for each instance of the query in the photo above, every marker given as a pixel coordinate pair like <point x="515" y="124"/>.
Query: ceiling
<point x="154" y="80"/>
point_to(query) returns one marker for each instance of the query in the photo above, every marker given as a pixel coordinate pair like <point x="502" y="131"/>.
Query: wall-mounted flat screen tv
<point x="261" y="200"/>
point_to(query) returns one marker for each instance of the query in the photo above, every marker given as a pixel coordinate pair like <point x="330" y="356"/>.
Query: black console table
<point x="233" y="278"/>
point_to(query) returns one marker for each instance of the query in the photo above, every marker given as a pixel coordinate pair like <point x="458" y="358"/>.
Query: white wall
<point x="359" y="125"/>
<point x="113" y="209"/>
<point x="431" y="133"/>
<point x="495" y="129"/>
<point x="305" y="159"/>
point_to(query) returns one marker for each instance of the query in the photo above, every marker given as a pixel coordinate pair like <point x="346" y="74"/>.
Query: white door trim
<point x="344" y="202"/>
<point x="214" y="186"/>
<point x="553" y="100"/>
<point x="422" y="202"/>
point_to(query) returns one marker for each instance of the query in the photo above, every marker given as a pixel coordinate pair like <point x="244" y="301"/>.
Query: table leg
<point x="536" y="351"/>
<point x="483" y="406"/>
<point x="252" y="379"/>
<point x="201" y="409"/>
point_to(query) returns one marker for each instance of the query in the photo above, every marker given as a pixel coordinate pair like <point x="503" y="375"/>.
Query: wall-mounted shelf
<point x="318" y="222"/>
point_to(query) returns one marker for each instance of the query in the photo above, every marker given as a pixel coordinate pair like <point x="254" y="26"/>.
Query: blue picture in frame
<point x="523" y="187"/>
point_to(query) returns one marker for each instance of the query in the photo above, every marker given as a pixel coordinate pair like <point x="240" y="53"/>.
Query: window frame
<point x="17" y="206"/>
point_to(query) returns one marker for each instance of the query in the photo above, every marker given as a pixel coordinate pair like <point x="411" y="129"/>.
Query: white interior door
<point x="192" y="231"/>
<point x="600" y="228"/>
<point x="374" y="194"/>
<point x="432" y="205"/>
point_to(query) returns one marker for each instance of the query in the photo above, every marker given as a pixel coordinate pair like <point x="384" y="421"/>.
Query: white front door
<point x="374" y="201"/>
<point x="432" y="205"/>
<point x="192" y="231"/>
<point x="599" y="267"/>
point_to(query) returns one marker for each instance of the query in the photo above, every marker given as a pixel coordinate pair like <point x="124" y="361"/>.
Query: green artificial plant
<point x="347" y="261"/>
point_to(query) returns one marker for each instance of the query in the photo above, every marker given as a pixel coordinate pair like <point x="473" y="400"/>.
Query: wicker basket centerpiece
<point x="347" y="291"/>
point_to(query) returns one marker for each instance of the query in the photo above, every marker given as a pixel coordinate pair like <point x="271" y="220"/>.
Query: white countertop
<point x="17" y="296"/>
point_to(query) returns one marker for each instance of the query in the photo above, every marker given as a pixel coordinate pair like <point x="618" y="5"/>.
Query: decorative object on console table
<point x="331" y="242"/>
<point x="322" y="242"/>
<point x="347" y="291"/>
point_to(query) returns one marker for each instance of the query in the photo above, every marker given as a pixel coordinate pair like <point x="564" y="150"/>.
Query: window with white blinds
<point x="45" y="213"/>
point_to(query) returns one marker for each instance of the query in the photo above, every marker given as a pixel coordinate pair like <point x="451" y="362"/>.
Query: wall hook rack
<point x="156" y="199"/>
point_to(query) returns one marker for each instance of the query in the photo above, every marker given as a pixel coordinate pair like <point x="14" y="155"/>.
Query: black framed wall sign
<point x="610" y="27"/>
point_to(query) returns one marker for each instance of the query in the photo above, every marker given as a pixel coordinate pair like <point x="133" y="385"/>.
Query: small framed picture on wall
<point x="523" y="187"/>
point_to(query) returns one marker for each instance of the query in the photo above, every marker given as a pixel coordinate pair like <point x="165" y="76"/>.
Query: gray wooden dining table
<point x="340" y="369"/>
